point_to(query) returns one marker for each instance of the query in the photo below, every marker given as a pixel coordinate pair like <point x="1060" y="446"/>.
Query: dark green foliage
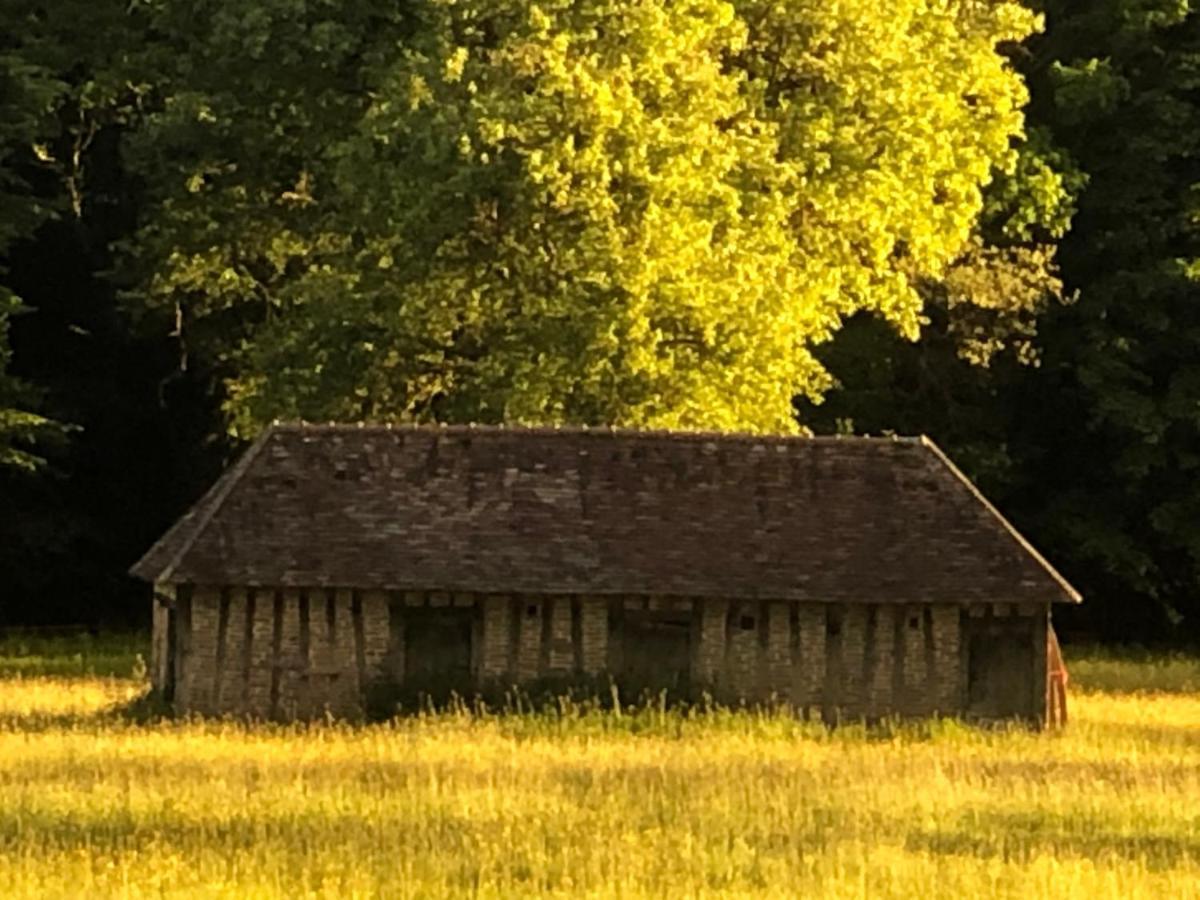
<point x="1122" y="440"/>
<point x="1096" y="451"/>
<point x="28" y="92"/>
<point x="384" y="699"/>
<point x="102" y="438"/>
<point x="1060" y="368"/>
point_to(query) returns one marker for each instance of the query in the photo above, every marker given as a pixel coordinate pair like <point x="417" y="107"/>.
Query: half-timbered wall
<point x="299" y="653"/>
<point x="275" y="653"/>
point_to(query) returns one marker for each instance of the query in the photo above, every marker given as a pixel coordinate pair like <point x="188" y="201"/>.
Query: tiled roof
<point x="603" y="511"/>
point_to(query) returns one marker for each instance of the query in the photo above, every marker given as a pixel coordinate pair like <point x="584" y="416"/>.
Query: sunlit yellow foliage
<point x="590" y="804"/>
<point x="640" y="213"/>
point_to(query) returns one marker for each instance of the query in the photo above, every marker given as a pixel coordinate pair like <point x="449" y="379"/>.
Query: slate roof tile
<point x="605" y="512"/>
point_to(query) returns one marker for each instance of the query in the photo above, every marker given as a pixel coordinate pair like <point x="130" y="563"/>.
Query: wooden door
<point x="437" y="644"/>
<point x="655" y="651"/>
<point x="1000" y="669"/>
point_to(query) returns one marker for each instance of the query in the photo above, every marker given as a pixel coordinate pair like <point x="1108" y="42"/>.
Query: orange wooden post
<point x="1056" y="686"/>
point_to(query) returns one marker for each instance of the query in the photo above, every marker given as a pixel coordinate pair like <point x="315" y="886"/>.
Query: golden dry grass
<point x="96" y="803"/>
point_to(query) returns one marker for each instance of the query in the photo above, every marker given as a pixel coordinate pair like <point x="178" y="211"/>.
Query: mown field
<point x="99" y="797"/>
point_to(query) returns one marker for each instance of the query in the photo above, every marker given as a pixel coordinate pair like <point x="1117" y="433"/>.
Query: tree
<point x="28" y="94"/>
<point x="92" y="462"/>
<point x="1121" y="410"/>
<point x="65" y="79"/>
<point x="979" y="334"/>
<point x="640" y="213"/>
<point x="1094" y="450"/>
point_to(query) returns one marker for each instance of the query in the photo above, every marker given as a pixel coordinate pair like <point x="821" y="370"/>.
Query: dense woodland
<point x="972" y="219"/>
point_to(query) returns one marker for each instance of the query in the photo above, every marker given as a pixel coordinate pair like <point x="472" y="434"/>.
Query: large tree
<point x="1120" y="407"/>
<point x="641" y="213"/>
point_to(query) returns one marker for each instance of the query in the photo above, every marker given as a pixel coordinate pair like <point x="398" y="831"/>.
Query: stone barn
<point x="850" y="577"/>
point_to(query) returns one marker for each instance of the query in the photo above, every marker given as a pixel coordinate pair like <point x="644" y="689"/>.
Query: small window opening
<point x="531" y="611"/>
<point x="914" y="623"/>
<point x="747" y="623"/>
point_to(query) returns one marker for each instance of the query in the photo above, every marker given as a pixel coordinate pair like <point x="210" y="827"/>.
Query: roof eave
<point x="189" y="527"/>
<point x="1068" y="594"/>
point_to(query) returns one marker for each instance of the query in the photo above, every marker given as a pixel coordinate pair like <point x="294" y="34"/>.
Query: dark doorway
<point x="437" y="645"/>
<point x="1000" y="668"/>
<point x="655" y="651"/>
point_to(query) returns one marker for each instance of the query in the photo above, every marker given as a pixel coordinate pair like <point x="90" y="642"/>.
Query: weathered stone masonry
<point x="301" y="653"/>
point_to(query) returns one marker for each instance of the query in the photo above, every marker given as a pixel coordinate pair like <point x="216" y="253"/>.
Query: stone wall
<point x="298" y="654"/>
<point x="280" y="654"/>
<point x="860" y="661"/>
<point x="301" y="653"/>
<point x="525" y="638"/>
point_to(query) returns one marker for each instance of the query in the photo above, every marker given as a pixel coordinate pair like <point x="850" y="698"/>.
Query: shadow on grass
<point x="457" y="834"/>
<point x="74" y="654"/>
<point x="1019" y="837"/>
<point x="1157" y="735"/>
<point x="147" y="708"/>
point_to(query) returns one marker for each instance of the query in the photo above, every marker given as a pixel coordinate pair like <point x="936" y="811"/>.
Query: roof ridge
<point x="302" y="427"/>
<point x="958" y="474"/>
<point x="219" y="492"/>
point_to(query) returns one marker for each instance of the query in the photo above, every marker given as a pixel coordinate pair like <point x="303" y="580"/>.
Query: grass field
<point x="97" y="801"/>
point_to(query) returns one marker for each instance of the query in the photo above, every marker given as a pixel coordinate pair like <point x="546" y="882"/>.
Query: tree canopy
<point x="1118" y="86"/>
<point x="634" y="213"/>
